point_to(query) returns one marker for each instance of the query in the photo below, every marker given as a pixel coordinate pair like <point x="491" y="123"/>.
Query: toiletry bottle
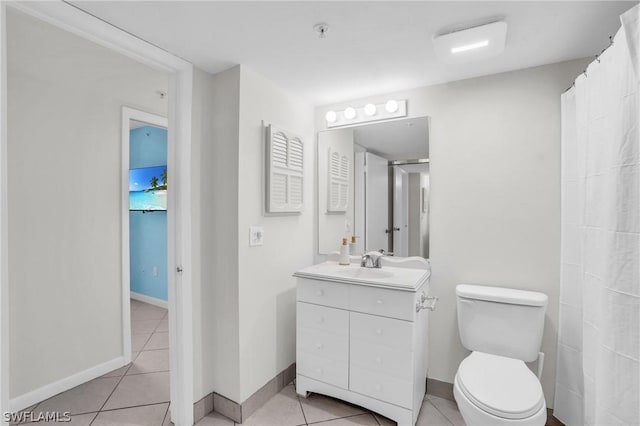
<point x="344" y="253"/>
<point x="352" y="245"/>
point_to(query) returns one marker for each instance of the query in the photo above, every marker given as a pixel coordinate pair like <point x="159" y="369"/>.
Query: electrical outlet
<point x="155" y="271"/>
<point x="256" y="236"/>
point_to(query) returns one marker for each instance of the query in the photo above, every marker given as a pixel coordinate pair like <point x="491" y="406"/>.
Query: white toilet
<point x="503" y="329"/>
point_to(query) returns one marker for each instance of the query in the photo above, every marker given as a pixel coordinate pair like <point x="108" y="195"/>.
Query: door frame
<point x="129" y="114"/>
<point x="179" y="256"/>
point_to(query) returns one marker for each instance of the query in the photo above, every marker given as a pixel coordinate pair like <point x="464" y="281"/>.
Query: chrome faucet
<point x="372" y="259"/>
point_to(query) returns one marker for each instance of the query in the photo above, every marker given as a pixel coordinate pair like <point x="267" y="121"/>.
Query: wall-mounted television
<point x="148" y="189"/>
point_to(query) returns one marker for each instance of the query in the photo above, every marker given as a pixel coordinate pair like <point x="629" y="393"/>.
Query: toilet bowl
<point x="503" y="329"/>
<point x="496" y="390"/>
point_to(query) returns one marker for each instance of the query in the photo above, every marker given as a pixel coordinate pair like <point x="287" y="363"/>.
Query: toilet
<point x="503" y="329"/>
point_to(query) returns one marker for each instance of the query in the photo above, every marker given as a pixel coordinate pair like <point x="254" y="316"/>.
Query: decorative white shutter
<point x="338" y="185"/>
<point x="285" y="172"/>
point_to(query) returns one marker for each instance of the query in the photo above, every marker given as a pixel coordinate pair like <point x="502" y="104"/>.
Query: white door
<point x="377" y="203"/>
<point x="400" y="212"/>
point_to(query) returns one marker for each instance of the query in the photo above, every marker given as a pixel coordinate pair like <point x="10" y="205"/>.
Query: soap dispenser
<point x="352" y="245"/>
<point x="344" y="253"/>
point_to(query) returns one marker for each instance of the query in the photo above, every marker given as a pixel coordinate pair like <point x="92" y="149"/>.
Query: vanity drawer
<point x="383" y="359"/>
<point x="389" y="332"/>
<point x="322" y="318"/>
<point x="325" y="370"/>
<point x="379" y="301"/>
<point x="381" y="386"/>
<point x="323" y="344"/>
<point x="323" y="293"/>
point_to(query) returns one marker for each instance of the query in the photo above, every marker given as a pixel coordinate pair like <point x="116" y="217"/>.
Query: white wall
<point x="495" y="204"/>
<point x="64" y="104"/>
<point x="267" y="289"/>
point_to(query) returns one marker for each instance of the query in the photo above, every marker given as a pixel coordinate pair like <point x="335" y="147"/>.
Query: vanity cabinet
<point x="364" y="343"/>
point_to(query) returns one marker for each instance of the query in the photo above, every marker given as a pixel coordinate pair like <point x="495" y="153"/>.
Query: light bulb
<point x="370" y="109"/>
<point x="331" y="116"/>
<point x="349" y="113"/>
<point x="391" y="106"/>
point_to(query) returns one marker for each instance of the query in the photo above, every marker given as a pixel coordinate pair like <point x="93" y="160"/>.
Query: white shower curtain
<point x="598" y="365"/>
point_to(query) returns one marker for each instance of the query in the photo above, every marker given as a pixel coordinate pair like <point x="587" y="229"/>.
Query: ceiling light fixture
<point x="464" y="48"/>
<point x="369" y="112"/>
<point x="471" y="44"/>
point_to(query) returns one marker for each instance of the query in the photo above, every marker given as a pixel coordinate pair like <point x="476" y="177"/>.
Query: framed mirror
<point x="373" y="182"/>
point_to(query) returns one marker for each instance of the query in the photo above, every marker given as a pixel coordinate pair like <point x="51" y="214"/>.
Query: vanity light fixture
<point x="370" y="109"/>
<point x="350" y="113"/>
<point x="391" y="106"/>
<point x="471" y="44"/>
<point x="369" y="112"/>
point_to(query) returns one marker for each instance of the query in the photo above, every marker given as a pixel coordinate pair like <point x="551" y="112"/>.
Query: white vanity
<point x="362" y="336"/>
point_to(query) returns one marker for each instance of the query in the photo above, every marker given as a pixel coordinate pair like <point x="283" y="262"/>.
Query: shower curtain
<point x="598" y="364"/>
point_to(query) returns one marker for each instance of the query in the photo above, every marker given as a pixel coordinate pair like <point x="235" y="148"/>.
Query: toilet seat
<point x="503" y="387"/>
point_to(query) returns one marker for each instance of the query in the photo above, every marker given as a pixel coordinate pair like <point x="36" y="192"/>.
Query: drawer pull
<point x="319" y="345"/>
<point x="377" y="387"/>
<point x="379" y="360"/>
<point x="320" y="293"/>
<point x="379" y="331"/>
<point x="379" y="301"/>
<point x="319" y="371"/>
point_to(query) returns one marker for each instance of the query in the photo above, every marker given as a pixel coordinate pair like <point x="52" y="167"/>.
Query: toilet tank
<point x="501" y="321"/>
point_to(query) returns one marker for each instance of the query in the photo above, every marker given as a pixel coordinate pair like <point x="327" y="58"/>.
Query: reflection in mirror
<point x="373" y="182"/>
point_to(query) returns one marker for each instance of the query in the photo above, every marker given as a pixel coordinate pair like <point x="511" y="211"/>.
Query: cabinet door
<point x="322" y="348"/>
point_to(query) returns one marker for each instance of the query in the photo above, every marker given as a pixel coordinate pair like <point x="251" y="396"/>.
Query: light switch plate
<point x="256" y="236"/>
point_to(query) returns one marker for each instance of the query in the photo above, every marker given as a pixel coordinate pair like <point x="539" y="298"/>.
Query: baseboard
<point x="47" y="391"/>
<point x="150" y="300"/>
<point x="440" y="389"/>
<point x="241" y="412"/>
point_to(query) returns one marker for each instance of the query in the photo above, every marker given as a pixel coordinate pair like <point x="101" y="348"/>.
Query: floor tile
<point x="149" y="415"/>
<point x="150" y="362"/>
<point x="318" y="408"/>
<point x="138" y="341"/>
<point x="118" y="372"/>
<point x="163" y="326"/>
<point x="430" y="416"/>
<point x="77" y="420"/>
<point x="135" y="304"/>
<point x="361" y="419"/>
<point x="281" y="410"/>
<point x="157" y="341"/>
<point x="86" y="398"/>
<point x="215" y="419"/>
<point x="140" y="389"/>
<point x="148" y="312"/>
<point x="144" y="326"/>
<point x="449" y="409"/>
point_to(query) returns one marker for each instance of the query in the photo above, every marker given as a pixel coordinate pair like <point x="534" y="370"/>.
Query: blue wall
<point x="148" y="231"/>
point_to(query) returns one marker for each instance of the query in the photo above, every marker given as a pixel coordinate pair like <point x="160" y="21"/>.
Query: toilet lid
<point x="501" y="386"/>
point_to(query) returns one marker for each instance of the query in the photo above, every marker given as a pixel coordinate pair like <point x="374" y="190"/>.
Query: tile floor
<point x="288" y="409"/>
<point x="136" y="394"/>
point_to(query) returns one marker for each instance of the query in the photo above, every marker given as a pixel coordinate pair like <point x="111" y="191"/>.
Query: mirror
<point x="373" y="182"/>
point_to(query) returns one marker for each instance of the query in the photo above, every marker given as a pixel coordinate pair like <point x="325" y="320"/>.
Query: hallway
<point x="137" y="393"/>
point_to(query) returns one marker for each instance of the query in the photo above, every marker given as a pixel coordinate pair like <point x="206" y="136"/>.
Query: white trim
<point x="4" y="241"/>
<point x="129" y="114"/>
<point x="150" y="300"/>
<point x="72" y="19"/>
<point x="47" y="391"/>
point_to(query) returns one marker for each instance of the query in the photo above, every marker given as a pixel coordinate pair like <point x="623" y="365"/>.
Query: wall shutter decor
<point x="338" y="185"/>
<point x="285" y="172"/>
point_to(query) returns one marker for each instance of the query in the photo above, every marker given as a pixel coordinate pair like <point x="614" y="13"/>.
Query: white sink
<point x="364" y="273"/>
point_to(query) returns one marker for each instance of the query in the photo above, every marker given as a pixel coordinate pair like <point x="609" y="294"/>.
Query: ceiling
<point x="371" y="47"/>
<point x="406" y="139"/>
